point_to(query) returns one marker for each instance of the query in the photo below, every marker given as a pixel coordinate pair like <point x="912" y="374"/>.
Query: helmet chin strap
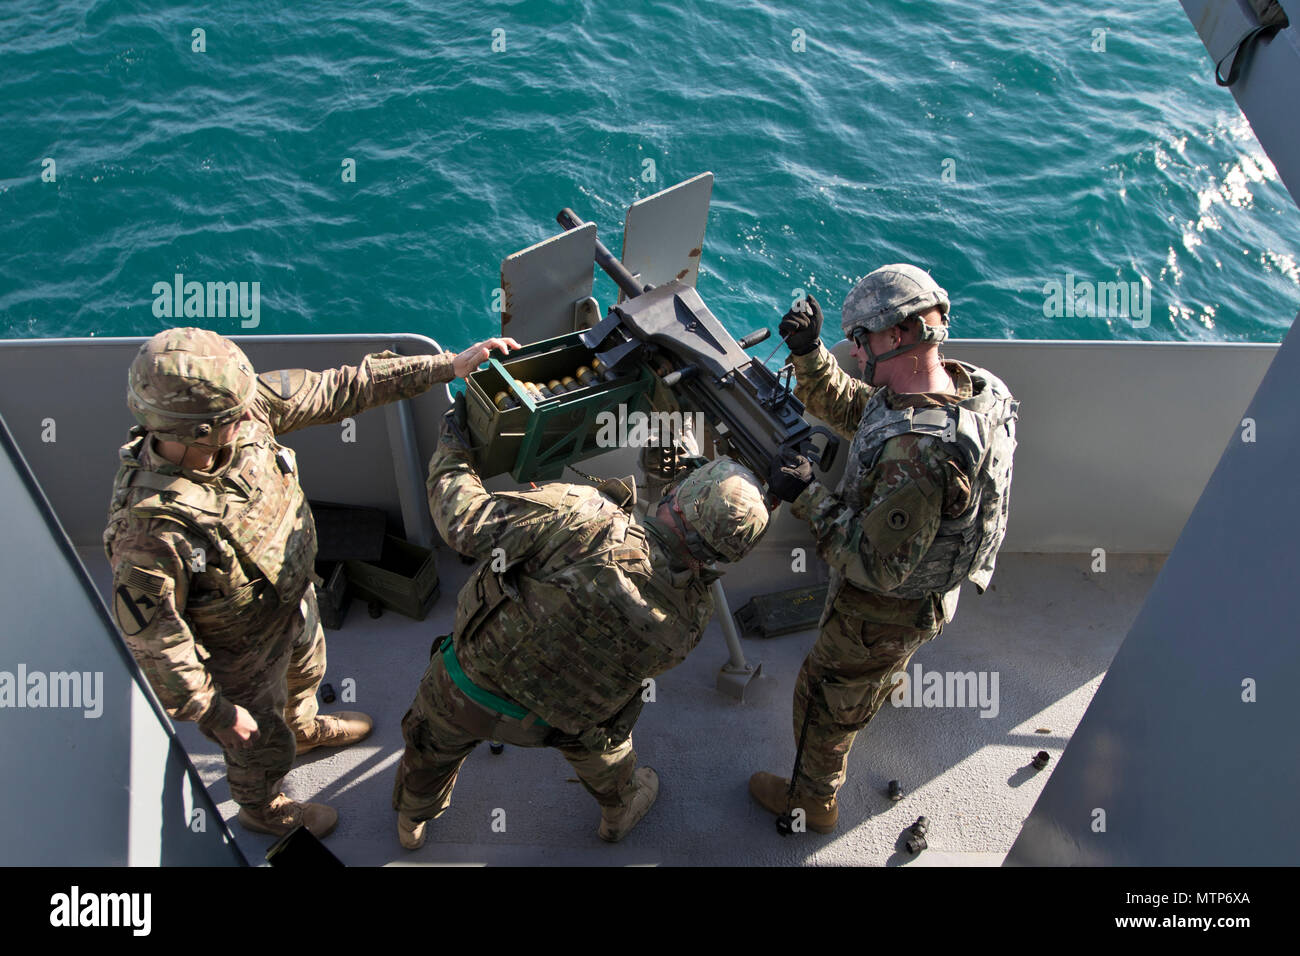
<point x="930" y="334"/>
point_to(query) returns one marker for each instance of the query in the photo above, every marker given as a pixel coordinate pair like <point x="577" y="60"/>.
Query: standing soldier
<point x="212" y="545"/>
<point x="574" y="606"/>
<point x="922" y="507"/>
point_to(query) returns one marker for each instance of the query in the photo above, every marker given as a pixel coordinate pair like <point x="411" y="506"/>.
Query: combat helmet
<point x="886" y="297"/>
<point x="723" y="503"/>
<point x="185" y="383"/>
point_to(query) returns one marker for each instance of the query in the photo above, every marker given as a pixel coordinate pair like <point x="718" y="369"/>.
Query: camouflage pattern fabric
<point x="576" y="603"/>
<point x="723" y="502"/>
<point x="275" y="679"/>
<point x="183" y="379"/>
<point x="443" y="726"/>
<point x="890" y="295"/>
<point x="856" y="659"/>
<point x="211" y="570"/>
<point x="297" y="398"/>
<point x="867" y="635"/>
<point x="574" y="606"/>
<point x="829" y="392"/>
<point x="913" y="485"/>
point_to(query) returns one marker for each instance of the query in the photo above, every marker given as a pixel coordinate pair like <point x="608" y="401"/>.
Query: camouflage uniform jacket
<point x="868" y="556"/>
<point x="203" y="566"/>
<point x="588" y="603"/>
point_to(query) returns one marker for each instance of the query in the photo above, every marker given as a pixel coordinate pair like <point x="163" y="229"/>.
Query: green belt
<point x="478" y="694"/>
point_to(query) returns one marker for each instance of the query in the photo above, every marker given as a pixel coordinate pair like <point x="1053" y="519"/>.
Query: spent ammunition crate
<point x="404" y="579"/>
<point x="770" y="615"/>
<point x="536" y="439"/>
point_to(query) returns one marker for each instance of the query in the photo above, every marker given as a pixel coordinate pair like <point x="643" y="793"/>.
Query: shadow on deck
<point x="1048" y="629"/>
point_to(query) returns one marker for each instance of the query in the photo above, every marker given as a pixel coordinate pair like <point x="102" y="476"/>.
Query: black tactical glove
<point x="790" y="476"/>
<point x="456" y="421"/>
<point x="801" y="327"/>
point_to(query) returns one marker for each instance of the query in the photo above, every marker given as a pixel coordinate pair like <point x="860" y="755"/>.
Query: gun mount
<point x="658" y="346"/>
<point x="752" y="410"/>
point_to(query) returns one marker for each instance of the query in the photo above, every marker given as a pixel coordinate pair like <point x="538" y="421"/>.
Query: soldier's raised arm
<point x="471" y="519"/>
<point x="880" y="545"/>
<point x="825" y="389"/>
<point x="150" y="589"/>
<point x="298" y="398"/>
<point x="829" y="392"/>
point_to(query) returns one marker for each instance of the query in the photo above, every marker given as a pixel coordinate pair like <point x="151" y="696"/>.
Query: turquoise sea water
<point x="1123" y="164"/>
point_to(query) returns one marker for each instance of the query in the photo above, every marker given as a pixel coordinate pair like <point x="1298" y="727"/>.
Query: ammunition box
<point x="534" y="441"/>
<point x="333" y="597"/>
<point x="347" y="531"/>
<point x="769" y="615"/>
<point x="404" y="579"/>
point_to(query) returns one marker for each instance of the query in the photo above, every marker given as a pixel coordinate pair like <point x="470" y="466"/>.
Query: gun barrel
<point x="615" y="269"/>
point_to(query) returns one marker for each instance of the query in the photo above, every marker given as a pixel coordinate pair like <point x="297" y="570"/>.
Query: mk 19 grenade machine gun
<point x="657" y="353"/>
<point x="541" y="408"/>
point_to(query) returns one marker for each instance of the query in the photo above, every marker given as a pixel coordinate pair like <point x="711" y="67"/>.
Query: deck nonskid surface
<point x="1047" y="630"/>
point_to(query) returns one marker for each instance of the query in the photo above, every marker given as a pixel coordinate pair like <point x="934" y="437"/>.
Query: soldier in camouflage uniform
<point x="212" y="545"/>
<point x="574" y="606"/>
<point x="921" y="507"/>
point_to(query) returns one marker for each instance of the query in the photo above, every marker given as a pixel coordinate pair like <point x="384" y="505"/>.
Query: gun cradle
<point x="755" y="414"/>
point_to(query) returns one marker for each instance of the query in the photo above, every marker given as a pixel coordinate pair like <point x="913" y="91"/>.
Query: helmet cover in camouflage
<point x="890" y="295"/>
<point x="184" y="383"/>
<point x="723" y="502"/>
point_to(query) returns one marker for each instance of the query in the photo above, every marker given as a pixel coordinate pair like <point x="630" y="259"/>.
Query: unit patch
<point x="136" y="600"/>
<point x="284" y="382"/>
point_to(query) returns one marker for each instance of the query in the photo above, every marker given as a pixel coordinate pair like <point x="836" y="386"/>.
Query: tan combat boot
<point x="410" y="833"/>
<point x="281" y="815"/>
<point x="772" y="792"/>
<point x="335" y="730"/>
<point x="617" y="822"/>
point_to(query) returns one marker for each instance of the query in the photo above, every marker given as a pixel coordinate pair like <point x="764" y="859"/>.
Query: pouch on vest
<point x="488" y="591"/>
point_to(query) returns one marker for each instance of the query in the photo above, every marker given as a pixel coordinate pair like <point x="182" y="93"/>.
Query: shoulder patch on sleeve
<point x="285" y="382"/>
<point x="135" y="599"/>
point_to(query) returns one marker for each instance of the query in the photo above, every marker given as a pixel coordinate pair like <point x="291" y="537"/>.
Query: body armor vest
<point x="259" y="533"/>
<point x="982" y="431"/>
<point x="572" y="640"/>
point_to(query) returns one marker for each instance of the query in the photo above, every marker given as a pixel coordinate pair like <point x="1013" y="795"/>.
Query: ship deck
<point x="1048" y="628"/>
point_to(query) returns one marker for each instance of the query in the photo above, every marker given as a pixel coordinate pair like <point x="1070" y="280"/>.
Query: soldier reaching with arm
<point x="574" y="605"/>
<point x="212" y="546"/>
<point x="921" y="507"/>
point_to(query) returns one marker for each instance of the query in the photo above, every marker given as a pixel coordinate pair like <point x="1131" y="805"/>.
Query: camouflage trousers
<point x="275" y="680"/>
<point x="852" y="661"/>
<point x="443" y="727"/>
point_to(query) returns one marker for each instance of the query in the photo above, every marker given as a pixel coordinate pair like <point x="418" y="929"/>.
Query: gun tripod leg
<point x="736" y="674"/>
